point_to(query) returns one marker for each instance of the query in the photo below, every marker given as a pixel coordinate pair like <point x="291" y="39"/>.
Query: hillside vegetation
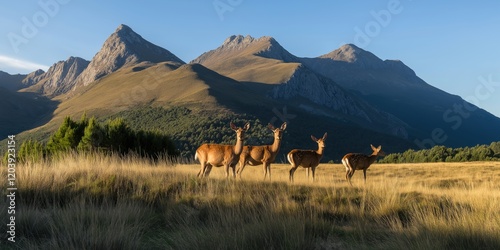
<point x="444" y="154"/>
<point x="88" y="135"/>
<point x="90" y="201"/>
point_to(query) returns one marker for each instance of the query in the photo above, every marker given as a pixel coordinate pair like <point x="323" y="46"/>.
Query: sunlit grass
<point x="101" y="202"/>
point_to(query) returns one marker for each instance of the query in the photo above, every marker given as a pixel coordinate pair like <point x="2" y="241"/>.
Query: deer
<point x="308" y="159"/>
<point x="219" y="155"/>
<point x="265" y="154"/>
<point x="356" y="161"/>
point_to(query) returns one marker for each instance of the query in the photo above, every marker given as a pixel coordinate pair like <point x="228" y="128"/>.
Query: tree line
<point x="445" y="154"/>
<point x="110" y="136"/>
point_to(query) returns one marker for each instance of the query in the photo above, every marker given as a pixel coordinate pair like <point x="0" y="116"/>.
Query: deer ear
<point x="270" y="126"/>
<point x="314" y="138"/>
<point x="233" y="127"/>
<point x="373" y="147"/>
<point x="324" y="136"/>
<point x="247" y="126"/>
<point x="379" y="148"/>
<point x="283" y="126"/>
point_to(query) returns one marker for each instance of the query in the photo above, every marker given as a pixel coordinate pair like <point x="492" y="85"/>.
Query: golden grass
<point x="93" y="201"/>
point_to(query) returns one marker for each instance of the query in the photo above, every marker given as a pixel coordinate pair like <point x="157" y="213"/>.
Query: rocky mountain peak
<point x="352" y="54"/>
<point x="127" y="35"/>
<point x="264" y="46"/>
<point x="123" y="47"/>
<point x="32" y="78"/>
<point x="61" y="76"/>
<point x="236" y="42"/>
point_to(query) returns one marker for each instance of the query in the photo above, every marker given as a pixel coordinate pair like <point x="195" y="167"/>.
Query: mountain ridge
<point x="348" y="86"/>
<point x="123" y="47"/>
<point x="60" y="77"/>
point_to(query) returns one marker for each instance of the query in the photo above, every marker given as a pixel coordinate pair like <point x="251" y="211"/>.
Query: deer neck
<point x="320" y="151"/>
<point x="372" y="158"/>
<point x="238" y="147"/>
<point x="276" y="145"/>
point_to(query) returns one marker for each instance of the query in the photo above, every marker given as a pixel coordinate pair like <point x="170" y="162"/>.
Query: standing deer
<point x="221" y="155"/>
<point x="265" y="154"/>
<point x="354" y="161"/>
<point x="307" y="158"/>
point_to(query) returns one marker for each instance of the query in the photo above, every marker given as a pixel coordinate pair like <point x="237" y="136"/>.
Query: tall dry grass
<point x="104" y="202"/>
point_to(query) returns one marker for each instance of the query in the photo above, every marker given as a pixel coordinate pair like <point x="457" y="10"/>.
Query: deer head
<point x="377" y="150"/>
<point x="240" y="132"/>
<point x="278" y="132"/>
<point x="321" y="141"/>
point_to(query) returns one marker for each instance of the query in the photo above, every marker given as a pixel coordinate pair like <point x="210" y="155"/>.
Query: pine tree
<point x="92" y="137"/>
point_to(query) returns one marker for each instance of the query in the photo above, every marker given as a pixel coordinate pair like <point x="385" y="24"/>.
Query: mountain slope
<point x="249" y="59"/>
<point x="123" y="48"/>
<point x="350" y="93"/>
<point x="12" y="82"/>
<point x="59" y="78"/>
<point x="22" y="111"/>
<point x="392" y="86"/>
<point x="263" y="60"/>
<point x="160" y="84"/>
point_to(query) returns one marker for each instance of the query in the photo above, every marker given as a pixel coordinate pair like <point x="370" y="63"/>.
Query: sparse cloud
<point x="19" y="65"/>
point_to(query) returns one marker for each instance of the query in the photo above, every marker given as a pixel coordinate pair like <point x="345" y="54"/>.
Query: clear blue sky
<point x="450" y="45"/>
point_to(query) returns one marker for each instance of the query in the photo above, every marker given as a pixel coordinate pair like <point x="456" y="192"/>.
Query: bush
<point x="443" y="154"/>
<point x="88" y="135"/>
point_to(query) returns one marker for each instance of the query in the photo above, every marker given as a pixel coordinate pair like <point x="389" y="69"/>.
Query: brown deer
<point x="265" y="154"/>
<point x="218" y="155"/>
<point x="355" y="161"/>
<point x="307" y="158"/>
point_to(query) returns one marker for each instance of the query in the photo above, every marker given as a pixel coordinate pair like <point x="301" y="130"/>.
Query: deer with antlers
<point x="308" y="159"/>
<point x="265" y="154"/>
<point x="218" y="155"/>
<point x="355" y="161"/>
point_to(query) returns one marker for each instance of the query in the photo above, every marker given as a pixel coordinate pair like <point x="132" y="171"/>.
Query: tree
<point x="65" y="137"/>
<point x="31" y="151"/>
<point x="118" y="135"/>
<point x="93" y="136"/>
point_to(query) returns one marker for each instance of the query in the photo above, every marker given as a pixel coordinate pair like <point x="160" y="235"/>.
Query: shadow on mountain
<point x="23" y="111"/>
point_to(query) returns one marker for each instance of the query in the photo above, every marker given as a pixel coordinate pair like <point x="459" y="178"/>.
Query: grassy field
<point x="97" y="202"/>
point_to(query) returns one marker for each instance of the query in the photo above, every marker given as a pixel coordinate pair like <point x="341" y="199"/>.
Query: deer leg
<point x="208" y="169"/>
<point x="307" y="173"/>
<point x="313" y="170"/>
<point x="226" y="168"/>
<point x="292" y="170"/>
<point x="351" y="173"/>
<point x="364" y="175"/>
<point x="233" y="167"/>
<point x="264" y="167"/>
<point x="241" y="166"/>
<point x="202" y="170"/>
<point x="268" y="169"/>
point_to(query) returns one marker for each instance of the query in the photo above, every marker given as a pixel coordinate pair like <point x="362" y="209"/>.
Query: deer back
<point x="216" y="154"/>
<point x="304" y="158"/>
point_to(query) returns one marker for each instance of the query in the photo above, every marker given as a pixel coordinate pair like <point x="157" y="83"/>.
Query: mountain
<point x="59" y="78"/>
<point x="350" y="93"/>
<point x="22" y="111"/>
<point x="249" y="59"/>
<point x="437" y="116"/>
<point x="365" y="73"/>
<point x="264" y="60"/>
<point x="123" y="48"/>
<point x="160" y="84"/>
<point x="32" y="78"/>
<point x="12" y="82"/>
